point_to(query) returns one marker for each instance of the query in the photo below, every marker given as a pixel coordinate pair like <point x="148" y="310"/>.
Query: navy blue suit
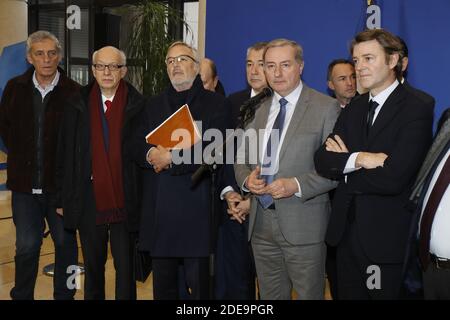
<point x="175" y="217"/>
<point x="235" y="272"/>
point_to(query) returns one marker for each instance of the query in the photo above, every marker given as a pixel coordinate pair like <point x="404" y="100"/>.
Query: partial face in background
<point x="181" y="67"/>
<point x="255" y="70"/>
<point x="45" y="58"/>
<point x="109" y="78"/>
<point x="374" y="70"/>
<point x="282" y="70"/>
<point x="206" y="74"/>
<point x="343" y="81"/>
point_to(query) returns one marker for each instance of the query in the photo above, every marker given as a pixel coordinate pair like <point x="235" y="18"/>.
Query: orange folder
<point x="179" y="131"/>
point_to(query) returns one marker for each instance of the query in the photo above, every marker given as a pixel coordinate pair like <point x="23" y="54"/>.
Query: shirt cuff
<point x="146" y="155"/>
<point x="299" y="193"/>
<point x="225" y="190"/>
<point x="243" y="188"/>
<point x="350" y="166"/>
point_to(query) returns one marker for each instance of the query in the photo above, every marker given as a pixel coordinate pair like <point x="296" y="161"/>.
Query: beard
<point x="181" y="85"/>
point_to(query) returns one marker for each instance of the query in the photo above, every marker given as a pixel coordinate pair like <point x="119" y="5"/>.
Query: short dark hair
<point x="390" y="43"/>
<point x="404" y="52"/>
<point x="335" y="62"/>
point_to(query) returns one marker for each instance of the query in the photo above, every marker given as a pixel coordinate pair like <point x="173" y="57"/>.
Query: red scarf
<point x="107" y="166"/>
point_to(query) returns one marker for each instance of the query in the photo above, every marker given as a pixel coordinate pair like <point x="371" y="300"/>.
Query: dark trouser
<point x="29" y="214"/>
<point x="235" y="266"/>
<point x="94" y="244"/>
<point x="166" y="282"/>
<point x="436" y="283"/>
<point x="356" y="276"/>
<point x="331" y="271"/>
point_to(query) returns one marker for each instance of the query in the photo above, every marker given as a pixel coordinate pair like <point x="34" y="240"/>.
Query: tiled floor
<point x="44" y="283"/>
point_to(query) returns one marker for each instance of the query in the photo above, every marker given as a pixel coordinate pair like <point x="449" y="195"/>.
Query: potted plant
<point x="149" y="41"/>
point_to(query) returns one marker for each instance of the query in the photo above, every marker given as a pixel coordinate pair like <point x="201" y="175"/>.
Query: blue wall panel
<point x="325" y="28"/>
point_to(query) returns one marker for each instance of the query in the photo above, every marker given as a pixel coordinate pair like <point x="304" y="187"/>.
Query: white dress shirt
<point x="440" y="230"/>
<point x="47" y="89"/>
<point x="104" y="98"/>
<point x="380" y="98"/>
<point x="292" y="99"/>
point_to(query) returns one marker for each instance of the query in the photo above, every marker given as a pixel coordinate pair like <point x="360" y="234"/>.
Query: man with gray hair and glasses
<point x="176" y="226"/>
<point x="99" y="183"/>
<point x="30" y="115"/>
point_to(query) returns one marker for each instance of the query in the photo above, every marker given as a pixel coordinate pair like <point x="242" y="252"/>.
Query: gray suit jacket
<point x="302" y="220"/>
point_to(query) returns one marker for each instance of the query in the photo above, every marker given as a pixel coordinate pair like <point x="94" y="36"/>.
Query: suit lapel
<point x="300" y="109"/>
<point x="260" y="122"/>
<point x="389" y="110"/>
<point x="262" y="114"/>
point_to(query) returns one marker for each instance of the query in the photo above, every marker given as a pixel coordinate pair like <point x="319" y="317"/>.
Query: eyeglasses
<point x="111" y="66"/>
<point x="181" y="59"/>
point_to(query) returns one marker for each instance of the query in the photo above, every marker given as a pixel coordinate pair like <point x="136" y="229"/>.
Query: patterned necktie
<point x="270" y="158"/>
<point x="430" y="211"/>
<point x="372" y="107"/>
<point x="108" y="104"/>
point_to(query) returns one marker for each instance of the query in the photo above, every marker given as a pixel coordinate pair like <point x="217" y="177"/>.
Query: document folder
<point x="179" y="131"/>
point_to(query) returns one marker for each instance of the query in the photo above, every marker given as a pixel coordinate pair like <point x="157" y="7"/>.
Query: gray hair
<point x="193" y="50"/>
<point x="41" y="35"/>
<point x="184" y="44"/>
<point x="257" y="47"/>
<point x="285" y="42"/>
<point x="122" y="55"/>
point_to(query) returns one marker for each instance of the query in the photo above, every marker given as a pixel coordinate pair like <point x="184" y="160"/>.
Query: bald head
<point x="110" y="50"/>
<point x="208" y="73"/>
<point x="109" y="67"/>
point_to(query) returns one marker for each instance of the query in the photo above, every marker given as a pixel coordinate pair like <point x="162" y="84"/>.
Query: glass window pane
<point x="53" y="21"/>
<point x="79" y="39"/>
<point x="80" y="74"/>
<point x="191" y="18"/>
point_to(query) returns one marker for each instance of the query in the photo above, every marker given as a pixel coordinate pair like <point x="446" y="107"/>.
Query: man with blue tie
<point x="289" y="214"/>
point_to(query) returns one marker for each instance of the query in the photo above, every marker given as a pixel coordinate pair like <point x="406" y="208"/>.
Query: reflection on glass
<point x="80" y="74"/>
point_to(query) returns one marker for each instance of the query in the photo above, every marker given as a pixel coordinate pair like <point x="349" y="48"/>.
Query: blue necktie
<point x="270" y="161"/>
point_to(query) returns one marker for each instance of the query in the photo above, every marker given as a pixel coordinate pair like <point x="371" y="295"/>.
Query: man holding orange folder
<point x="175" y="225"/>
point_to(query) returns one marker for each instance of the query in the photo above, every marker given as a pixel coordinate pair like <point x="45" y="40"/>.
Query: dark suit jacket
<point x="175" y="217"/>
<point x="17" y="129"/>
<point x="235" y="102"/>
<point x="237" y="99"/>
<point x="425" y="97"/>
<point x="402" y="130"/>
<point x="74" y="165"/>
